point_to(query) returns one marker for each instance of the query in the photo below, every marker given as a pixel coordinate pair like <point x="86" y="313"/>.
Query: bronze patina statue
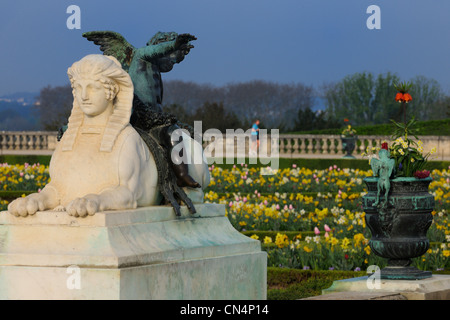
<point x="384" y="168"/>
<point x="145" y="65"/>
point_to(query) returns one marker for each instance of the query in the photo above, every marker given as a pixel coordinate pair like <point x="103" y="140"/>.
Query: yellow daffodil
<point x="267" y="240"/>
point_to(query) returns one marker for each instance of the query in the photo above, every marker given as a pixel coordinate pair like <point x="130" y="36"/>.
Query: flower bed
<point x="325" y="203"/>
<point x="23" y="177"/>
<point x="299" y="199"/>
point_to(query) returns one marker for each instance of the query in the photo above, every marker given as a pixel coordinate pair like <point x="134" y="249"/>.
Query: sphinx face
<point x="91" y="97"/>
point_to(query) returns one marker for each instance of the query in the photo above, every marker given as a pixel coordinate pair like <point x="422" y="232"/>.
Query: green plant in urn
<point x="398" y="204"/>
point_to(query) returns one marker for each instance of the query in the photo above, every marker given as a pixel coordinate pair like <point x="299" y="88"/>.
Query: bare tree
<point x="272" y="103"/>
<point x="54" y="106"/>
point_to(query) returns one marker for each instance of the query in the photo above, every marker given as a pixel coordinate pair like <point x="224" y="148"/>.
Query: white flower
<point x="342" y="220"/>
<point x="335" y="211"/>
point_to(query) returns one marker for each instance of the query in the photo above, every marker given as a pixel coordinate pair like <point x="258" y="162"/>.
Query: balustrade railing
<point x="283" y="145"/>
<point x="31" y="142"/>
<point x="325" y="145"/>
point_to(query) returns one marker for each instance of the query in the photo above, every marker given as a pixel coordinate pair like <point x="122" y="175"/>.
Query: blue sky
<point x="285" y="41"/>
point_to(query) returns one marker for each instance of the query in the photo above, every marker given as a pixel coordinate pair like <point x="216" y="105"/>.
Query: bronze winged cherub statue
<point x="145" y="65"/>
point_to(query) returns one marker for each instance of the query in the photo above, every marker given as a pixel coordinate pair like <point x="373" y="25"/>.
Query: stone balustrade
<point x="319" y="145"/>
<point x="27" y="142"/>
<point x="239" y="145"/>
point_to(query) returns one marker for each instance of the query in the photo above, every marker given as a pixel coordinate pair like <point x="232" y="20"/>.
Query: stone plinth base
<point x="147" y="253"/>
<point x="435" y="288"/>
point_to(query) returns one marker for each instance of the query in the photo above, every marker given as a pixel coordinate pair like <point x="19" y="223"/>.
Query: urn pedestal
<point x="399" y="225"/>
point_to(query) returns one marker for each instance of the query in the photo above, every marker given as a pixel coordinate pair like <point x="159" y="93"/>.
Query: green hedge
<point x="11" y="195"/>
<point x="313" y="164"/>
<point x="21" y="159"/>
<point x="322" y="164"/>
<point x="283" y="163"/>
<point x="425" y="128"/>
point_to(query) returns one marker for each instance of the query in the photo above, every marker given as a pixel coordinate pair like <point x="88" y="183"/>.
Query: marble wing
<point x="113" y="44"/>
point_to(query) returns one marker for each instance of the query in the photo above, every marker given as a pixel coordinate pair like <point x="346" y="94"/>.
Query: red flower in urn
<point x="422" y="174"/>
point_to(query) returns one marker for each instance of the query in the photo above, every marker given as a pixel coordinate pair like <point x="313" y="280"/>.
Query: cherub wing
<point x="167" y="53"/>
<point x="375" y="165"/>
<point x="113" y="44"/>
<point x="391" y="163"/>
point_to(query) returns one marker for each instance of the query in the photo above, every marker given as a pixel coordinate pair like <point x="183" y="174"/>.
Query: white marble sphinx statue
<point x="134" y="241"/>
<point x="101" y="162"/>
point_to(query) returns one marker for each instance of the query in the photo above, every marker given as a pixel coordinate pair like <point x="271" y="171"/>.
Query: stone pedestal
<point x="436" y="287"/>
<point x="147" y="253"/>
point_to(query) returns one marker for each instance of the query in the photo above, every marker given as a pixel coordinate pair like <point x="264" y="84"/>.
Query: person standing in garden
<point x="255" y="138"/>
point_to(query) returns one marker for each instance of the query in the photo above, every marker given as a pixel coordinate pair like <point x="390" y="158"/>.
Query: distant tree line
<point x="362" y="98"/>
<point x="366" y="99"/>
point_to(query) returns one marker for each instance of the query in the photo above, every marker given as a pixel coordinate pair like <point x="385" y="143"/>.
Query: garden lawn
<point x="293" y="284"/>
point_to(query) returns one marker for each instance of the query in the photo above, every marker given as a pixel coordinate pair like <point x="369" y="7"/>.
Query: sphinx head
<point x="98" y="83"/>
